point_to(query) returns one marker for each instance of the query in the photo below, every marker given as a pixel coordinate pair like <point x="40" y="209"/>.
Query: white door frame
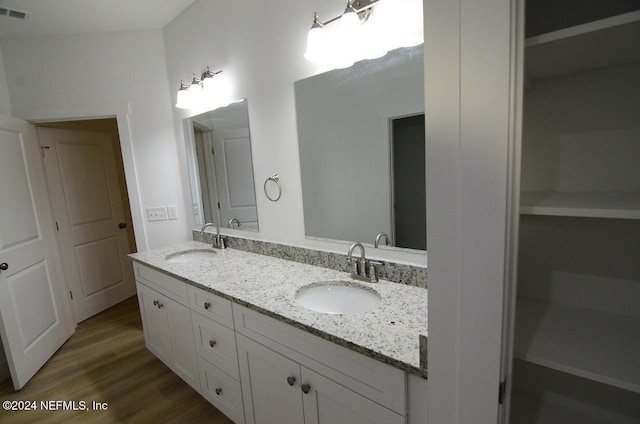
<point x="471" y="60"/>
<point x="122" y="113"/>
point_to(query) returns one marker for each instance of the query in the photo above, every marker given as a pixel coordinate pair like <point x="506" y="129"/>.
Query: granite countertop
<point x="388" y="333"/>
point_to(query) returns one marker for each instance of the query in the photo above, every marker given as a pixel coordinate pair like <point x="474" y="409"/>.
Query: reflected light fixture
<point x="367" y="29"/>
<point x="211" y="91"/>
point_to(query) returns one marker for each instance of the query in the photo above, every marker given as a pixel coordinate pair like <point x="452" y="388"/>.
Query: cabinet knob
<point x="291" y="380"/>
<point x="160" y="305"/>
<point x="155" y="303"/>
<point x="4" y="266"/>
<point x="207" y="305"/>
<point x="218" y="391"/>
<point x="122" y="225"/>
<point x="305" y="389"/>
<point x="212" y="343"/>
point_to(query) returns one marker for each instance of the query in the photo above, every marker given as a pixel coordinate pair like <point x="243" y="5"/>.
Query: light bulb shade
<point x="349" y="22"/>
<point x="182" y="100"/>
<point x="217" y="91"/>
<point x="317" y="47"/>
<point x="413" y="29"/>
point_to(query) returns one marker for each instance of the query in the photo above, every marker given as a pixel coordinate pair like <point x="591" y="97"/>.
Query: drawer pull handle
<point x="305" y="389"/>
<point x="212" y="343"/>
<point x="207" y="305"/>
<point x="291" y="380"/>
<point x="218" y="391"/>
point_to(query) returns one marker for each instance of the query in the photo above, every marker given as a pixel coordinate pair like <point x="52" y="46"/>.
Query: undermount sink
<point x="337" y="297"/>
<point x="190" y="256"/>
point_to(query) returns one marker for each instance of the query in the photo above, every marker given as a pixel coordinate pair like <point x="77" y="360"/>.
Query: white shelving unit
<point x="577" y="313"/>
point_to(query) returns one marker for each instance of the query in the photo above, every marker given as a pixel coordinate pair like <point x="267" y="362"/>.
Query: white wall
<point x="5" y="102"/>
<point x="73" y="75"/>
<point x="260" y="45"/>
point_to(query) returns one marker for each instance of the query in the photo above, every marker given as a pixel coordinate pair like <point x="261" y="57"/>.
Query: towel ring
<point x="275" y="178"/>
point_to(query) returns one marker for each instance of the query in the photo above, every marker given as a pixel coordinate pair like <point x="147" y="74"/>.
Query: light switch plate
<point x="157" y="214"/>
<point x="172" y="212"/>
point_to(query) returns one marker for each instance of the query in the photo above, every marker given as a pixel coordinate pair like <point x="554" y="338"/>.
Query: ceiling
<point x="52" y="17"/>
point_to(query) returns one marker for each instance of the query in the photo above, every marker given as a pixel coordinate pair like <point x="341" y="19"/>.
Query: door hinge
<point x="502" y="388"/>
<point x="218" y="205"/>
<point x="212" y="152"/>
<point x="57" y="227"/>
<point x="71" y="294"/>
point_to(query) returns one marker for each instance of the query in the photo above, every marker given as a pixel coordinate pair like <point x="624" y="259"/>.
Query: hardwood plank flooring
<point x="106" y="361"/>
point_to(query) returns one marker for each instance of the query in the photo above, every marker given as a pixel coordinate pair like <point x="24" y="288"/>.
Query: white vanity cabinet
<point x="289" y="375"/>
<point x="166" y="322"/>
<point x="577" y="344"/>
<point x="257" y="369"/>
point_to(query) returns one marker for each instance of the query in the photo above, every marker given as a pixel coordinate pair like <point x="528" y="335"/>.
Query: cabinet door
<point x="168" y="333"/>
<point x="327" y="402"/>
<point x="184" y="362"/>
<point x="270" y="385"/>
<point x="154" y="323"/>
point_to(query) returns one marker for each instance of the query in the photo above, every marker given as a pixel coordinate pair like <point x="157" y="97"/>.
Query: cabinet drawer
<point x="216" y="343"/>
<point x="211" y="306"/>
<point x="373" y="379"/>
<point x="169" y="286"/>
<point x="221" y="390"/>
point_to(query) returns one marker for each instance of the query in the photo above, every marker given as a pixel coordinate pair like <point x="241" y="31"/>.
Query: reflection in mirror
<point x="220" y="167"/>
<point x="362" y="151"/>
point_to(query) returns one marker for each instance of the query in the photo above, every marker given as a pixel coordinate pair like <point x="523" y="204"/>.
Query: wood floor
<point x="106" y="361"/>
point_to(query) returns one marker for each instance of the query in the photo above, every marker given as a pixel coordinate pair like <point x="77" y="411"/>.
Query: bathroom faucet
<point x="232" y="220"/>
<point x="218" y="241"/>
<point x="378" y="237"/>
<point x="357" y="268"/>
<point x="362" y="269"/>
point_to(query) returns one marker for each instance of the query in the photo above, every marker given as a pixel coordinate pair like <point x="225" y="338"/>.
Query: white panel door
<point x="87" y="204"/>
<point x="34" y="310"/>
<point x="234" y="177"/>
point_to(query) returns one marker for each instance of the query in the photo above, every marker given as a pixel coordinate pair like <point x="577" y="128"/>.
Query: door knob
<point x="122" y="225"/>
<point x="4" y="266"/>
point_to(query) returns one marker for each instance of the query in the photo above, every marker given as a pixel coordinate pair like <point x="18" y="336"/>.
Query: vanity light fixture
<point x="367" y="29"/>
<point x="211" y="91"/>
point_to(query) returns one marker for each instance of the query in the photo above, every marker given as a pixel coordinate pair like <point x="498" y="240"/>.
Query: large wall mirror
<point x="362" y="151"/>
<point x="220" y="167"/>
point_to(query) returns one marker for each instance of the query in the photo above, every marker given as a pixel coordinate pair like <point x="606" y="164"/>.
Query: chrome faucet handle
<point x="373" y="271"/>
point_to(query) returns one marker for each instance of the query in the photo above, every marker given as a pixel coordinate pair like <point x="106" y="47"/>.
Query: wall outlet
<point x="172" y="212"/>
<point x="157" y="214"/>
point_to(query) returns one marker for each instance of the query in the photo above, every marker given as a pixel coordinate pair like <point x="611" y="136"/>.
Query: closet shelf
<point x="598" y="44"/>
<point x="550" y="411"/>
<point x="595" y="345"/>
<point x="582" y="204"/>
